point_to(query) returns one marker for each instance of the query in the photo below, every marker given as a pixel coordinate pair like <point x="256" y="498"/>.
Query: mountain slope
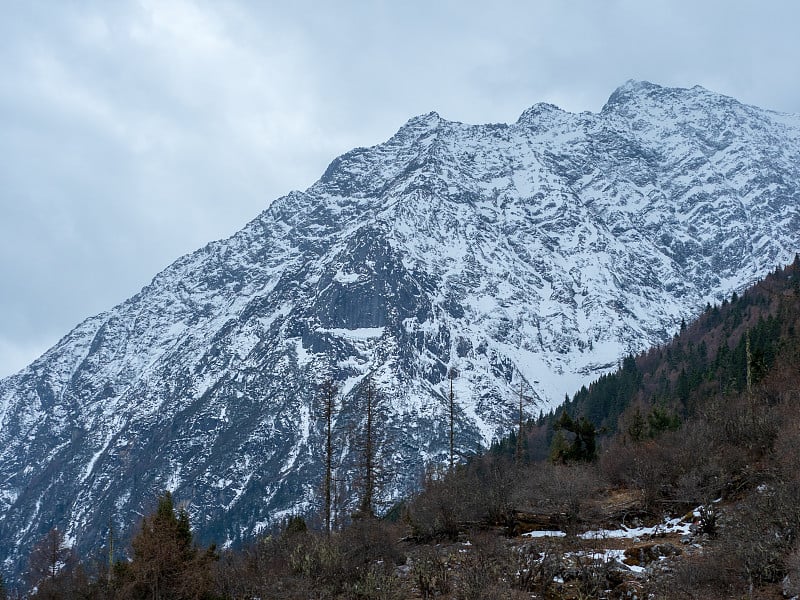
<point x="537" y="252"/>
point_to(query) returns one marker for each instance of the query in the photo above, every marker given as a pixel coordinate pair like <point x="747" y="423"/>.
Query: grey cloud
<point x="135" y="131"/>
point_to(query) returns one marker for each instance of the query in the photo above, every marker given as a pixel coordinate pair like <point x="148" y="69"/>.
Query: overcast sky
<point x="132" y="132"/>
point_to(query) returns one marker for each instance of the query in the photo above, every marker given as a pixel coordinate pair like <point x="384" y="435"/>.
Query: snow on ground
<point x="669" y="526"/>
<point x="545" y="534"/>
<point x="608" y="555"/>
<point x="346" y="277"/>
<point x="675" y="526"/>
<point x="360" y="333"/>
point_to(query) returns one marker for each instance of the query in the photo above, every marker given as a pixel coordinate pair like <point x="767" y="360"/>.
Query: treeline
<point x="708" y="420"/>
<point x="727" y="349"/>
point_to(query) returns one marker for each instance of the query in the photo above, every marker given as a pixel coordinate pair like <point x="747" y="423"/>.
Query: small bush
<point x="431" y="573"/>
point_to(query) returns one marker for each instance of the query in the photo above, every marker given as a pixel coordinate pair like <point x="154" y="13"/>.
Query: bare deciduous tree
<point x="48" y="558"/>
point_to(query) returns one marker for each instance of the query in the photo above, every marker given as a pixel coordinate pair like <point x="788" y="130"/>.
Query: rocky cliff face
<point x="534" y="254"/>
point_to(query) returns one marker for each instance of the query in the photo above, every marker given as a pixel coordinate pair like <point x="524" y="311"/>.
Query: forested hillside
<point x="728" y="350"/>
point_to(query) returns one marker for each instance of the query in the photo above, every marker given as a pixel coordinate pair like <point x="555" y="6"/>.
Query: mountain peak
<point x="537" y="112"/>
<point x="629" y="90"/>
<point x="637" y="85"/>
<point x="513" y="256"/>
<point x="430" y="120"/>
<point x="632" y="93"/>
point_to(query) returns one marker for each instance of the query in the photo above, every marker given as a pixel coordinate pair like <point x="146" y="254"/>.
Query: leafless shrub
<point x="377" y="583"/>
<point x="536" y="567"/>
<point x="761" y="537"/>
<point x="484" y="567"/>
<point x="431" y="573"/>
<point x="711" y="576"/>
<point x="369" y="541"/>
<point x="492" y="480"/>
<point x="645" y="467"/>
<point x="440" y="509"/>
<point x="562" y="490"/>
<point x="791" y="582"/>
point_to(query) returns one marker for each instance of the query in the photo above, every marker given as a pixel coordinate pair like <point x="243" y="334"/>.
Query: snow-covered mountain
<point x="534" y="254"/>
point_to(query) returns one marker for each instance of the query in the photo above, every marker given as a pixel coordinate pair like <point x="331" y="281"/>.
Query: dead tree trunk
<point x="366" y="506"/>
<point x="328" y="408"/>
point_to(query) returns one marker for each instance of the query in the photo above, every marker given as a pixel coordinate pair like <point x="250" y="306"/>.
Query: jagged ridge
<point x="537" y="252"/>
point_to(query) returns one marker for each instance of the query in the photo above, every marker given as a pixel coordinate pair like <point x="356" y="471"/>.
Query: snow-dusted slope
<point x="537" y="252"/>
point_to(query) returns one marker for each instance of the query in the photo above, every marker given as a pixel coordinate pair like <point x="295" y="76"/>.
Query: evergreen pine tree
<point x="559" y="447"/>
<point x="585" y="447"/>
<point x="660" y="420"/>
<point x="683" y="388"/>
<point x="637" y="427"/>
<point x="584" y="441"/>
<point x="166" y="563"/>
<point x="509" y="445"/>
